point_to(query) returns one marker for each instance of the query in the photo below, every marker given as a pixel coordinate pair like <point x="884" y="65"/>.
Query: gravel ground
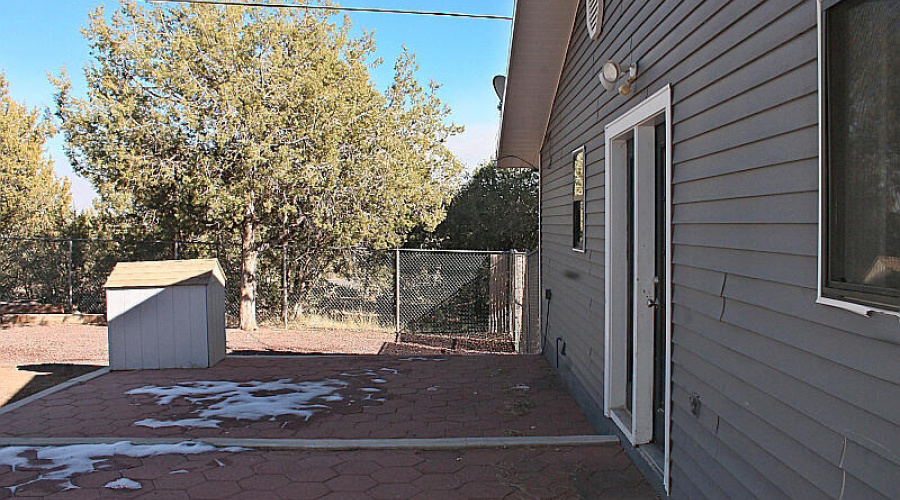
<point x="86" y="345"/>
<point x="70" y="344"/>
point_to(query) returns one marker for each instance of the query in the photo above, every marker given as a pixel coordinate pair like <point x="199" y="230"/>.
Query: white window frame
<point x="854" y="307"/>
<point x="639" y="429"/>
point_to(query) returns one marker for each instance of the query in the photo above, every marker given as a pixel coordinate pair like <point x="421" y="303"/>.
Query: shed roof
<point x="160" y="273"/>
<point x="540" y="39"/>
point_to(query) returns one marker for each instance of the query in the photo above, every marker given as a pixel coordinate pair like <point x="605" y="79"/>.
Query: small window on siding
<point x="578" y="200"/>
<point x="861" y="152"/>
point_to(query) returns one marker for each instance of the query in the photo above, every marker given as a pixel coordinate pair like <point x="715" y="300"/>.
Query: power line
<point x="375" y="10"/>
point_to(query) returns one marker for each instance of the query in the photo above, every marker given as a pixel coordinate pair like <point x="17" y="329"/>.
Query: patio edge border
<point x="339" y="444"/>
<point x="52" y="390"/>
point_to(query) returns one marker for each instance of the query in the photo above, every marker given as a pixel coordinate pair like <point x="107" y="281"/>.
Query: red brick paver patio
<point x="371" y="397"/>
<point x="427" y="397"/>
<point x="598" y="472"/>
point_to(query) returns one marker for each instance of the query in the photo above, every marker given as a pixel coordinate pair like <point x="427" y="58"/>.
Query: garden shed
<point x="166" y="314"/>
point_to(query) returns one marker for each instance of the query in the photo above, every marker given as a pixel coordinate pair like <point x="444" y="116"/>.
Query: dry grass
<point x="348" y="323"/>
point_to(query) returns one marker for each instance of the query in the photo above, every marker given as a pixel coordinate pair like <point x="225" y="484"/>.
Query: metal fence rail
<point x="422" y="295"/>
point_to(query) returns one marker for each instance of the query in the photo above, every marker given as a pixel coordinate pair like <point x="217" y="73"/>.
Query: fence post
<point x="70" y="263"/>
<point x="511" y="298"/>
<point x="397" y="295"/>
<point x="284" y="285"/>
<point x="175" y="249"/>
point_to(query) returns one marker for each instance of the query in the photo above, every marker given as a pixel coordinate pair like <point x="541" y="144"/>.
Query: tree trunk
<point x="249" y="258"/>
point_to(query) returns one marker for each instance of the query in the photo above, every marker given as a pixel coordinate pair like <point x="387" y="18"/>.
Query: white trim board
<point x="339" y="444"/>
<point x="637" y="121"/>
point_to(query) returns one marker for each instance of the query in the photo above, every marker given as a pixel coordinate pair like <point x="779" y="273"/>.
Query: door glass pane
<point x="863" y="145"/>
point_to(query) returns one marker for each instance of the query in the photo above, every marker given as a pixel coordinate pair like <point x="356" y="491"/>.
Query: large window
<point x="578" y="200"/>
<point x="861" y="152"/>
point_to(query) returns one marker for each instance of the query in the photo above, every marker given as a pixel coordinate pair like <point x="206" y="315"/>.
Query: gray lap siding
<point x="799" y="400"/>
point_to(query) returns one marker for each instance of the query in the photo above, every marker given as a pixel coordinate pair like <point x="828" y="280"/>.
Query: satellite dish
<point x="500" y="86"/>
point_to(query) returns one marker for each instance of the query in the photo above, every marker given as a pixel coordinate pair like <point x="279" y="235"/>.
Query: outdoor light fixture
<point x="610" y="75"/>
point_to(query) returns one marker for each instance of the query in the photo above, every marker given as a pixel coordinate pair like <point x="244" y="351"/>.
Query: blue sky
<point x="37" y="36"/>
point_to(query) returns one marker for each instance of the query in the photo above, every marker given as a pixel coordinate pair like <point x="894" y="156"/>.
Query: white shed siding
<point x="173" y="327"/>
<point x="215" y="320"/>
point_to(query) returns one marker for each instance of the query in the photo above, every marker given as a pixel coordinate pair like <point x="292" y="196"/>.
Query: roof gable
<point x="160" y="273"/>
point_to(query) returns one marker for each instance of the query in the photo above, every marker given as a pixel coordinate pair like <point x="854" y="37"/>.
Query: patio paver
<point x="602" y="472"/>
<point x="417" y="397"/>
<point x="423" y="397"/>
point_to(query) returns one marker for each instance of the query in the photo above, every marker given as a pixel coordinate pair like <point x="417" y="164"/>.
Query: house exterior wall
<point x="799" y="400"/>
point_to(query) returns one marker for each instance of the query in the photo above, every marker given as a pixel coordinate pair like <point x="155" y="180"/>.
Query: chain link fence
<point x="455" y="299"/>
<point x="531" y="329"/>
<point x="68" y="274"/>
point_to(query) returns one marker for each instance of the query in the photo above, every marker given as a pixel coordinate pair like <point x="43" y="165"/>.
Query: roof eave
<point x="540" y="39"/>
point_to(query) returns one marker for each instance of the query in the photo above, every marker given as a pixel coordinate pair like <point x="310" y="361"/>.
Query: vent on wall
<point x="594" y="18"/>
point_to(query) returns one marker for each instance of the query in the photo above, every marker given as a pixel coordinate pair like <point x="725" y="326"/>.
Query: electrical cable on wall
<point x="546" y="328"/>
<point x="371" y="10"/>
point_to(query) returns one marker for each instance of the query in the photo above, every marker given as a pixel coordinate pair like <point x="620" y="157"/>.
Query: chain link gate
<point x="460" y="299"/>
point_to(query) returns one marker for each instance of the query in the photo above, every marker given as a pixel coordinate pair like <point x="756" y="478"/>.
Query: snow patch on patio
<point x="219" y="400"/>
<point x="253" y="400"/>
<point x="62" y="463"/>
<point x="422" y="359"/>
<point x="123" y="483"/>
<point x="184" y="422"/>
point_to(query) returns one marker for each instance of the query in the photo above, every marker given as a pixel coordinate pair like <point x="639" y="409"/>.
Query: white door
<point x="638" y="214"/>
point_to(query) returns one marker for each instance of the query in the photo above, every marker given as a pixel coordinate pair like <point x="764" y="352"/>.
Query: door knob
<point x="652" y="303"/>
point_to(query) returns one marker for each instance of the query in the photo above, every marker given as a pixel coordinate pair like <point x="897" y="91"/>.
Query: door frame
<point x="637" y="426"/>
